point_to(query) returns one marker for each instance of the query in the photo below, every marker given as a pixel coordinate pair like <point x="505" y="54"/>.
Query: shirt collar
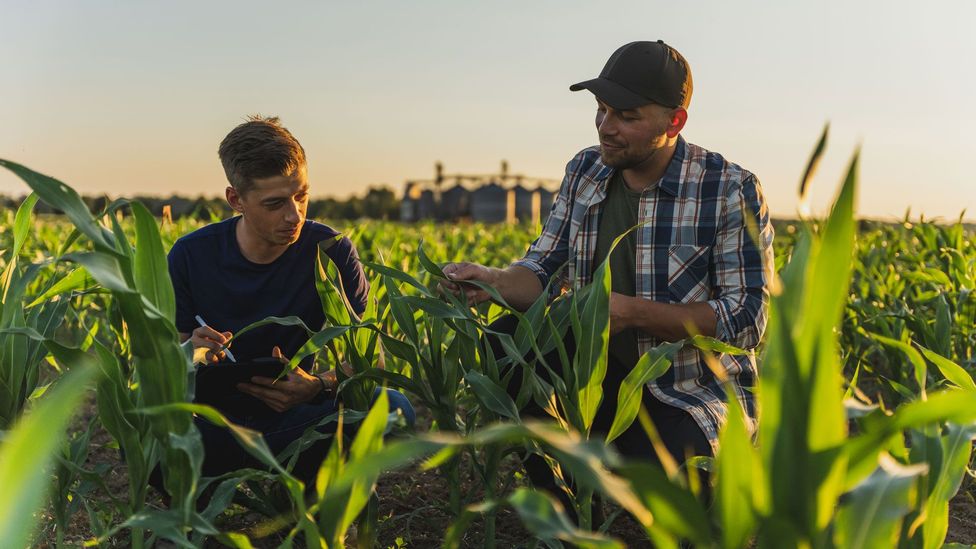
<point x="671" y="182"/>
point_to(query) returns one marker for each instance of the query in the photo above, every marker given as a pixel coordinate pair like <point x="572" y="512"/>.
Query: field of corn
<point x="867" y="398"/>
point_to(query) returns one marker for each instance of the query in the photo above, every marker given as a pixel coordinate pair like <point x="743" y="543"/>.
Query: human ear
<point x="678" y="119"/>
<point x="234" y="199"/>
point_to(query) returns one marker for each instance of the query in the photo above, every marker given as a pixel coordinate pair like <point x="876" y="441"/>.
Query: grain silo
<point x="455" y="203"/>
<point x="490" y="203"/>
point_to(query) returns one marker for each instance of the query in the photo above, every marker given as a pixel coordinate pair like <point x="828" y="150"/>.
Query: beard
<point x="632" y="155"/>
<point x="621" y="159"/>
<point x="627" y="157"/>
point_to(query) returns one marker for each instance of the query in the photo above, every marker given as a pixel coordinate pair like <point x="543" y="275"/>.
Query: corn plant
<point x="21" y="356"/>
<point x="138" y="279"/>
<point x="27" y="451"/>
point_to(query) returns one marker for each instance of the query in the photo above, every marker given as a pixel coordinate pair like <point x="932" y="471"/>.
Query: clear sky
<point x="133" y="97"/>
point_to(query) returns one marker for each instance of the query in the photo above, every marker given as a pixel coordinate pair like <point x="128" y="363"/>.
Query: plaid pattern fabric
<point x="694" y="246"/>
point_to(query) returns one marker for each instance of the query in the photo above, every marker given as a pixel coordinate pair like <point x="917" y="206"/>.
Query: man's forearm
<point x="667" y="321"/>
<point x="519" y="286"/>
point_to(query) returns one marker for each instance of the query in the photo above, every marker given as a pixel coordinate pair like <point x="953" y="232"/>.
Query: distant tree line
<point x="376" y="203"/>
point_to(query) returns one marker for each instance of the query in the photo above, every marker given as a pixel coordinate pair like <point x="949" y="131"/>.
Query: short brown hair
<point x="258" y="148"/>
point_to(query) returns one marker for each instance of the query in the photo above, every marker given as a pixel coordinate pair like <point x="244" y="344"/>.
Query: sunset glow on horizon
<point x="133" y="98"/>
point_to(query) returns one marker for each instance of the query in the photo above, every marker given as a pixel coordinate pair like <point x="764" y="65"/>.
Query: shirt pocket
<point x="688" y="273"/>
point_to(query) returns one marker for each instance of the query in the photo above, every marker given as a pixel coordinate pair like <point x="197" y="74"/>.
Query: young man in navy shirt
<point x="257" y="264"/>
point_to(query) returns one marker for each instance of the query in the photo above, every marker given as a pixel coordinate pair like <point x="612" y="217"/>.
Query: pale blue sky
<point x="133" y="97"/>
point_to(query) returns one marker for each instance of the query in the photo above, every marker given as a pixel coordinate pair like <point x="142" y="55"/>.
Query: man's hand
<point x="665" y="321"/>
<point x="459" y="273"/>
<point x="620" y="311"/>
<point x="296" y="387"/>
<point x="208" y="338"/>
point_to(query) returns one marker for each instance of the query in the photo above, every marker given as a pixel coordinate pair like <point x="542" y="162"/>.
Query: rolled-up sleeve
<point x="550" y="251"/>
<point x="742" y="266"/>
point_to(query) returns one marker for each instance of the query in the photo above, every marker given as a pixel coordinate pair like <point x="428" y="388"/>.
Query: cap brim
<point x="612" y="94"/>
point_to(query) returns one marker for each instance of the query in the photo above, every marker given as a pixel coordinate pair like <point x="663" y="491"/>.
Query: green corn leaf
<point x="401" y="312"/>
<point x="390" y="457"/>
<point x="650" y="367"/>
<point x="149" y="264"/>
<point x="317" y="342"/>
<point x="814" y="161"/>
<point x="914" y="357"/>
<point x="115" y="407"/>
<point x="950" y="370"/>
<point x="75" y="280"/>
<point x="391" y="379"/>
<point x="278" y="320"/>
<point x="455" y="532"/>
<point x="369" y="438"/>
<point x="22" y="223"/>
<point x="428" y="265"/>
<point x="713" y="345"/>
<point x="27" y="451"/>
<point x="943" y="325"/>
<point x="590" y="361"/>
<point x="235" y="539"/>
<point x="940" y="278"/>
<point x="872" y="513"/>
<point x="736" y="465"/>
<point x="21" y="226"/>
<point x="403" y="351"/>
<point x="170" y="525"/>
<point x="852" y="384"/>
<point x="104" y="268"/>
<point x="433" y="307"/>
<point x="491" y="396"/>
<point x="122" y="244"/>
<point x="391" y="273"/>
<point x="587" y="461"/>
<point x="328" y="283"/>
<point x="676" y="511"/>
<point x="824" y="300"/>
<point x="905" y="393"/>
<point x="64" y="198"/>
<point x="544" y="517"/>
<point x="954" y="406"/>
<point x="331" y="466"/>
<point x="249" y="439"/>
<point x="368" y="441"/>
<point x="957" y="446"/>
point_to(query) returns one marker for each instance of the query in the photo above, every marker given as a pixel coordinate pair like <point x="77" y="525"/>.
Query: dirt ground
<point x="413" y="508"/>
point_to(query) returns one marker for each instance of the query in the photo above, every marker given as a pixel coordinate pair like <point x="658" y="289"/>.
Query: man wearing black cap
<point x="691" y="265"/>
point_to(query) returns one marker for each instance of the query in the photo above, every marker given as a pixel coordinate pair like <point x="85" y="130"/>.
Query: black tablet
<point x="216" y="384"/>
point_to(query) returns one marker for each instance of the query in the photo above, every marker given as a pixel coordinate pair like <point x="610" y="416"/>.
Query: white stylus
<point x="203" y="324"/>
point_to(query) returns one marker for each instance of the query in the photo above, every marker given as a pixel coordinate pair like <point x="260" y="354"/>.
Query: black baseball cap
<point x="640" y="73"/>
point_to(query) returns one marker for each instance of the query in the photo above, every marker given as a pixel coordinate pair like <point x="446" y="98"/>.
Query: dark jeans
<point x="222" y="452"/>
<point x="679" y="432"/>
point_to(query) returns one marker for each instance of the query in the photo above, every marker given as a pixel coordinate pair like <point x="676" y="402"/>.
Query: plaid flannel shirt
<point x="696" y="247"/>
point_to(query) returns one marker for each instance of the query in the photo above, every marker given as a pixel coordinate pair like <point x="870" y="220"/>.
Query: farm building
<point x="490" y="198"/>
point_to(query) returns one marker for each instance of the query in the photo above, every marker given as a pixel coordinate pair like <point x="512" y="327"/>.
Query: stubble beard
<point x="627" y="158"/>
<point x="623" y="159"/>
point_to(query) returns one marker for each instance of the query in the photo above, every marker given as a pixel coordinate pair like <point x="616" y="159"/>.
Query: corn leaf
<point x="491" y="396"/>
<point x="27" y="452"/>
<point x="149" y="264"/>
<point x="872" y="514"/>
<point x="650" y="367"/>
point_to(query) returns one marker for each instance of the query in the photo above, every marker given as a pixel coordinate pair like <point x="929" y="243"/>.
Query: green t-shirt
<point x="619" y="214"/>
